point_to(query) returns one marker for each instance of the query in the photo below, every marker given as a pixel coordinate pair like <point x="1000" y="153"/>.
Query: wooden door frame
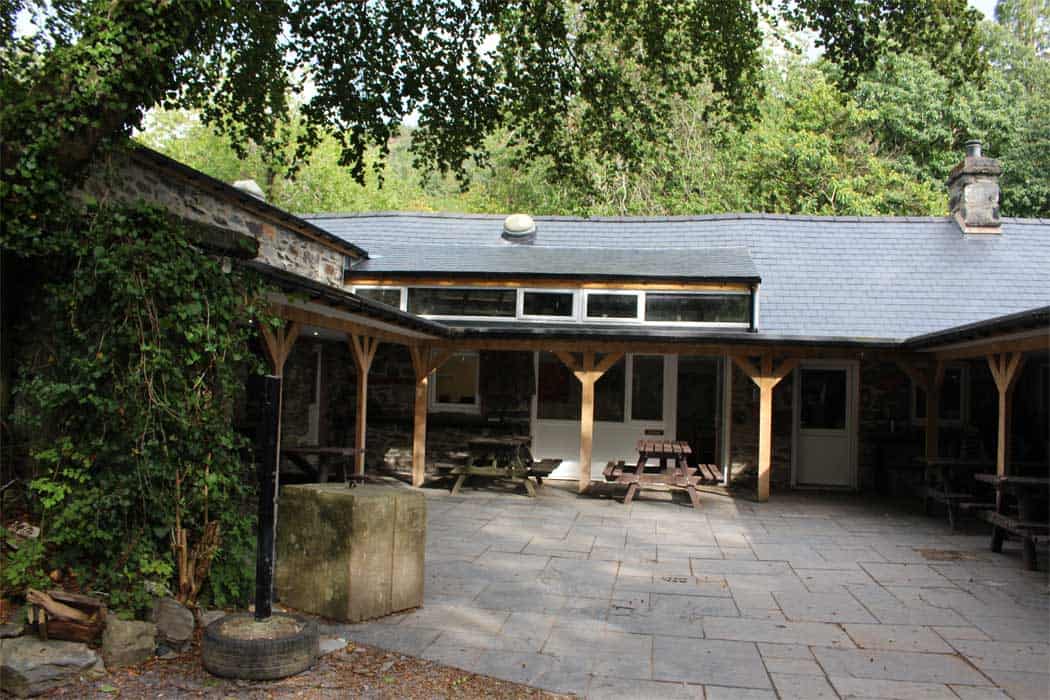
<point x="852" y="368"/>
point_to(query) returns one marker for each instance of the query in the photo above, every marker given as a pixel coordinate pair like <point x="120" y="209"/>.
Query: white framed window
<point x="954" y="398"/>
<point x="391" y="296"/>
<point x="454" y="385"/>
<point x="612" y="306"/>
<point x="698" y="308"/>
<point x="463" y="302"/>
<point x="548" y="304"/>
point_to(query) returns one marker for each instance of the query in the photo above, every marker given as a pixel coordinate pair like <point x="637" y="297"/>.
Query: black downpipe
<point x="267" y="444"/>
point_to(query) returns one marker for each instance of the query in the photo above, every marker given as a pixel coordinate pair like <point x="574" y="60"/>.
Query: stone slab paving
<point x="806" y="596"/>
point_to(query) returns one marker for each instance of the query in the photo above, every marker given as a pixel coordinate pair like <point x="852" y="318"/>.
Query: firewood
<point x="56" y="609"/>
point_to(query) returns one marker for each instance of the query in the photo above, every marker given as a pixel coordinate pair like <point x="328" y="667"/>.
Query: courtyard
<point x="805" y="596"/>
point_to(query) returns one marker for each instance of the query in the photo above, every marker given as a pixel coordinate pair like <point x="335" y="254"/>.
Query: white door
<point x="825" y="397"/>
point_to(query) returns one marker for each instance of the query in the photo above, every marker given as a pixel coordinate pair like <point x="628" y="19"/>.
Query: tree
<point x="1028" y="20"/>
<point x="569" y="81"/>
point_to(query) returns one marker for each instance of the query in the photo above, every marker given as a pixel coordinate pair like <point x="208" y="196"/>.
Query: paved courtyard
<point x="807" y="596"/>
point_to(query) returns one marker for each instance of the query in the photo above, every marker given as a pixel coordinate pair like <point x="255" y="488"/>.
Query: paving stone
<point x="793" y="666"/>
<point x="794" y="686"/>
<point x="648" y="621"/>
<point x="1035" y="628"/>
<point x="410" y="640"/>
<point x="1021" y="685"/>
<point x="708" y="661"/>
<point x="763" y="583"/>
<point x="692" y="607"/>
<point x="807" y="633"/>
<point x="678" y="585"/>
<point x="904" y="574"/>
<point x="831" y="580"/>
<point x="456" y="656"/>
<point x="457" y="616"/>
<point x="620" y="689"/>
<point x="897" y="637"/>
<point x="890" y="690"/>
<point x="969" y="692"/>
<point x="716" y="692"/>
<point x="822" y="607"/>
<point x="1031" y="657"/>
<point x="898" y="666"/>
<point x="784" y="651"/>
<point x="959" y="632"/>
<point x="517" y="667"/>
<point x="721" y="567"/>
<point x="564" y="677"/>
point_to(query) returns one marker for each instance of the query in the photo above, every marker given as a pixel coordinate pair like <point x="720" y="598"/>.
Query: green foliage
<point x="23" y="567"/>
<point x="1027" y="20"/>
<point x="129" y="405"/>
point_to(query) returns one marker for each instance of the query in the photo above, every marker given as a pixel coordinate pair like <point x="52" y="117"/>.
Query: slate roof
<point x="726" y="264"/>
<point x="867" y="278"/>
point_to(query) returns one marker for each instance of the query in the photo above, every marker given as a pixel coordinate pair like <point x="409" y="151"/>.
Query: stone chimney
<point x="973" y="192"/>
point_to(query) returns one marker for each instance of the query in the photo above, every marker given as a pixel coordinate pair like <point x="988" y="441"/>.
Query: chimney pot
<point x="973" y="148"/>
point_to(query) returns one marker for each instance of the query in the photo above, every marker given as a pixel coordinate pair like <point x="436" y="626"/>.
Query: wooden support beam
<point x="766" y="376"/>
<point x="588" y="371"/>
<point x="364" y="351"/>
<point x="424" y="361"/>
<point x="277" y="344"/>
<point x="1006" y="369"/>
<point x="934" y="380"/>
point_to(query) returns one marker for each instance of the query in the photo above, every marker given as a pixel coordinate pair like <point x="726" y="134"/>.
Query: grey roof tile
<point x="878" y="277"/>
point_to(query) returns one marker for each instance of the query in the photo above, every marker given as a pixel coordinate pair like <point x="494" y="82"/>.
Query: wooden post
<point x="424" y="361"/>
<point x="1006" y="368"/>
<point x="766" y="377"/>
<point x="364" y="350"/>
<point x="933" y="409"/>
<point x="588" y="373"/>
<point x="277" y="344"/>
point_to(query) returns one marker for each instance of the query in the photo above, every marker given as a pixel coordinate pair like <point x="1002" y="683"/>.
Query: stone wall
<point x="124" y="178"/>
<point x="743" y="441"/>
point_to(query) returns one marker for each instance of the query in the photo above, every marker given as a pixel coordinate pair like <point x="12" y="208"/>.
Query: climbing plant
<point x="129" y="403"/>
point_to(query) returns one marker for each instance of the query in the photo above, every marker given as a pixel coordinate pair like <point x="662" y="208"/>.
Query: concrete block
<point x="350" y="554"/>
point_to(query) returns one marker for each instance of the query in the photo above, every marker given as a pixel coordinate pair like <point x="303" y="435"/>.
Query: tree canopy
<point x="568" y="81"/>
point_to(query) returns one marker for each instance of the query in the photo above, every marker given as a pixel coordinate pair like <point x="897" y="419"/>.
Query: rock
<point x="330" y="644"/>
<point x="166" y="653"/>
<point x="127" y="643"/>
<point x="29" y="666"/>
<point x="12" y="629"/>
<point x="175" y="623"/>
<point x="210" y="616"/>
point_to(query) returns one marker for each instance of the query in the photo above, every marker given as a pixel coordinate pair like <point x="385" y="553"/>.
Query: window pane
<point x="557" y="391"/>
<point x="823" y="399"/>
<point x="610" y="394"/>
<point x="547" y="304"/>
<point x="698" y="308"/>
<point x="456" y="381"/>
<point x="647" y="388"/>
<point x="385" y="296"/>
<point x="612" y="306"/>
<point x="462" y="302"/>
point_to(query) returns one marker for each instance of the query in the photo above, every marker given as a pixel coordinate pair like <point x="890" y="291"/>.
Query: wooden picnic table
<point x="500" y="458"/>
<point x="949" y="480"/>
<point x="343" y="455"/>
<point x="673" y="469"/>
<point x="1027" y="519"/>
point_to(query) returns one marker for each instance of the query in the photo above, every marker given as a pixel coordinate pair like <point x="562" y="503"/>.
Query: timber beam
<point x="929" y="378"/>
<point x="425" y="359"/>
<point x="1006" y="369"/>
<point x="277" y="344"/>
<point x="363" y="348"/>
<point x="766" y="375"/>
<point x="588" y="369"/>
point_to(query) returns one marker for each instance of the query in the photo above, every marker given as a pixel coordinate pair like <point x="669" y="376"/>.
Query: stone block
<point x="127" y="643"/>
<point x="350" y="554"/>
<point x="175" y="623"/>
<point x="29" y="666"/>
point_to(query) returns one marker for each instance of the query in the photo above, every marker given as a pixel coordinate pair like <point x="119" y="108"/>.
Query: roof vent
<point x="250" y="187"/>
<point x="519" y="228"/>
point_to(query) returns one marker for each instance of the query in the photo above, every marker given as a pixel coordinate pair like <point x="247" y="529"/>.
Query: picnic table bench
<point x="949" y="481"/>
<point x="344" y="456"/>
<point x="498" y="459"/>
<point x="1026" y="520"/>
<point x="673" y="470"/>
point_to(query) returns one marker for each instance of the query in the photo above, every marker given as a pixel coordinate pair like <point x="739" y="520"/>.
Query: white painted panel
<point x="560" y="439"/>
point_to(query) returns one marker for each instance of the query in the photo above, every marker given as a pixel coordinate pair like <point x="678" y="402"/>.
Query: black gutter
<point x="443" y="275"/>
<point x="1000" y="325"/>
<point x="298" y="285"/>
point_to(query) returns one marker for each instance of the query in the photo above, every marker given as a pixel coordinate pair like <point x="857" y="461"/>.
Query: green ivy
<point x="131" y="406"/>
